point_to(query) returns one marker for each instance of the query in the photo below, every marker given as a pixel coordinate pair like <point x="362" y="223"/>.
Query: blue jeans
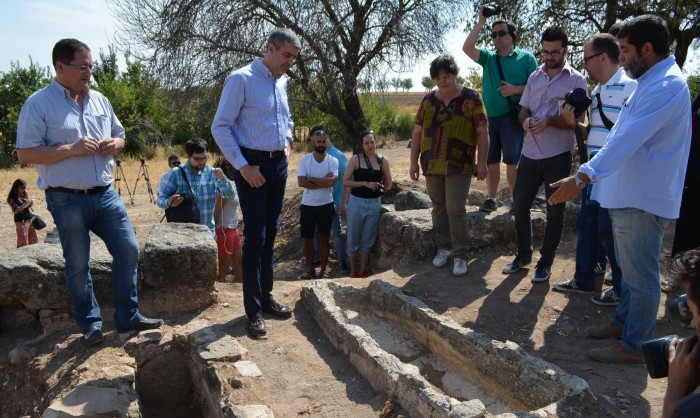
<point x="594" y="232"/>
<point x="261" y="209"/>
<point x="337" y="231"/>
<point x="75" y="215"/>
<point x="638" y="239"/>
<point x="363" y="222"/>
<point x="531" y="174"/>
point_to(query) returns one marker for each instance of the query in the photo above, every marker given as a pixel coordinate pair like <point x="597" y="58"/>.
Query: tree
<point x="407" y="84"/>
<point x="197" y="42"/>
<point x="582" y="18"/>
<point x="16" y="86"/>
<point x="473" y="79"/>
<point x="396" y="83"/>
<point x="460" y="80"/>
<point x="428" y="83"/>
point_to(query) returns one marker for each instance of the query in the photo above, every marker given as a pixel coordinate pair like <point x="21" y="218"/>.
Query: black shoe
<point x="142" y="324"/>
<point x="542" y="273"/>
<point x="278" y="310"/>
<point x="256" y="326"/>
<point x="93" y="336"/>
<point x="518" y="263"/>
<point x="488" y="206"/>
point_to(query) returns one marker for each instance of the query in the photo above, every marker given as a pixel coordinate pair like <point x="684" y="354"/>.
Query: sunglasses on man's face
<point x="499" y="33"/>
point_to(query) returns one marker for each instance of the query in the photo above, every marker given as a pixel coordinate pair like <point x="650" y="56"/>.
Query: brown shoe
<point x="608" y="330"/>
<point x="278" y="310"/>
<point x="615" y="354"/>
<point x="256" y="326"/>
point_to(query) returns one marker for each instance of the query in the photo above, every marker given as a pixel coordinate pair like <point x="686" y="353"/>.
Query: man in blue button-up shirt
<point x="253" y="128"/>
<point x="639" y="174"/>
<point x="70" y="133"/>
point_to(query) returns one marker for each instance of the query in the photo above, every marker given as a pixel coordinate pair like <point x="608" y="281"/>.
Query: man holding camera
<point x="601" y="54"/>
<point x="506" y="70"/>
<point x="549" y="124"/>
<point x="197" y="180"/>
<point x="683" y="355"/>
<point x="640" y="173"/>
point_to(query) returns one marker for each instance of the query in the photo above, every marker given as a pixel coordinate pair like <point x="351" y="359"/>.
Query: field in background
<point x="405" y="102"/>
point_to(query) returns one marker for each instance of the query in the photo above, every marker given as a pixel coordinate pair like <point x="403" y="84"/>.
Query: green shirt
<point x="517" y="67"/>
<point x="448" y="141"/>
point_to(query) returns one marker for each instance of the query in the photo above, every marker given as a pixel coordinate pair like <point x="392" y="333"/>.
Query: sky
<point x="32" y="27"/>
<point x="38" y="24"/>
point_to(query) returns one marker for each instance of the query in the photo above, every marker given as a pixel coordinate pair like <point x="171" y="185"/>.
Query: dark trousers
<point x="687" y="234"/>
<point x="594" y="232"/>
<point x="261" y="209"/>
<point x="531" y="175"/>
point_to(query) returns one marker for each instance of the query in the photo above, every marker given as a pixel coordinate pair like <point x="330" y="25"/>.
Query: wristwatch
<point x="579" y="182"/>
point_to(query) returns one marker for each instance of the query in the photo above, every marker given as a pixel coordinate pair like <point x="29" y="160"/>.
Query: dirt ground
<point x="303" y="375"/>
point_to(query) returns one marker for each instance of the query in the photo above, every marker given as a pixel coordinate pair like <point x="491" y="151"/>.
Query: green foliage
<point x="16" y="86"/>
<point x="407" y="84"/>
<point x="381" y="116"/>
<point x="473" y="79"/>
<point x="428" y="83"/>
<point x="461" y="80"/>
<point x="694" y="85"/>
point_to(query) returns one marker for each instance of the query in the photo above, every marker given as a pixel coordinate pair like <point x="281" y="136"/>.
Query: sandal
<point x="308" y="275"/>
<point x="668" y="287"/>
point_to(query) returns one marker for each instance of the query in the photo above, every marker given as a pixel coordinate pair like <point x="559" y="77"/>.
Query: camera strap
<point x="503" y="77"/>
<point x="608" y="124"/>
<point x="194" y="197"/>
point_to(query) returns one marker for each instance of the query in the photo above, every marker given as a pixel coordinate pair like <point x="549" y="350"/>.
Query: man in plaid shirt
<point x="204" y="182"/>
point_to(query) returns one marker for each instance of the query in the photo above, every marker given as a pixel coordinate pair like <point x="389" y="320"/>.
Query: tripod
<point x="118" y="177"/>
<point x="143" y="172"/>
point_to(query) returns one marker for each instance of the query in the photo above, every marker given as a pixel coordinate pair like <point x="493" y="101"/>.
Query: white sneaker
<point x="460" y="267"/>
<point x="440" y="259"/>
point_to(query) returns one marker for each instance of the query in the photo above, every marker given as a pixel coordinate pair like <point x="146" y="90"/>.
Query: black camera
<point x="678" y="309"/>
<point x="119" y="163"/>
<point x="491" y="9"/>
<point x="656" y="354"/>
<point x="579" y="100"/>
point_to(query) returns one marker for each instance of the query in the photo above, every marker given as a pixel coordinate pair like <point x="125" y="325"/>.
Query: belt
<point x="92" y="190"/>
<point x="268" y="154"/>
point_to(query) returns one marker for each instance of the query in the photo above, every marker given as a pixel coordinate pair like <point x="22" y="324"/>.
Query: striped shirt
<point x="203" y="186"/>
<point x="253" y="113"/>
<point x="613" y="95"/>
<point x="50" y="117"/>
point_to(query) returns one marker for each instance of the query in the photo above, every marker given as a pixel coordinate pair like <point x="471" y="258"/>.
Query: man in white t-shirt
<point x="317" y="174"/>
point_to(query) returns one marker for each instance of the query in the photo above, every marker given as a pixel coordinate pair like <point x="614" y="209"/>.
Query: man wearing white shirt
<point x="601" y="54"/>
<point x="317" y="174"/>
<point x="639" y="174"/>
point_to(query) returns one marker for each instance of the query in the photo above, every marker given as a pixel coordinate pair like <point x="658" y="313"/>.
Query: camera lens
<point x="656" y="356"/>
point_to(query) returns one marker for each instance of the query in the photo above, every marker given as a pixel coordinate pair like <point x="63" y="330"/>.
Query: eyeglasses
<point x="499" y="33"/>
<point x="319" y="133"/>
<point x="82" y="68"/>
<point x="586" y="59"/>
<point x="200" y="159"/>
<point x="556" y="52"/>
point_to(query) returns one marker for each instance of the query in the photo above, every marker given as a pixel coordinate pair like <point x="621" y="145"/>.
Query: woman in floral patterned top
<point x="451" y="139"/>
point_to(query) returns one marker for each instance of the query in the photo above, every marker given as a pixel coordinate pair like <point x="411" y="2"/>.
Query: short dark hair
<point x="281" y="35"/>
<point x="555" y="33"/>
<point x="65" y="50"/>
<point x="647" y="28"/>
<point x="512" y="31"/>
<point x="195" y="146"/>
<point x="317" y="128"/>
<point x="615" y="28"/>
<point x="172" y="157"/>
<point x="444" y="63"/>
<point x="684" y="269"/>
<point x="605" y="43"/>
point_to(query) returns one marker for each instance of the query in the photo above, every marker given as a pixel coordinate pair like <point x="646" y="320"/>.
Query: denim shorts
<point x="504" y="137"/>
